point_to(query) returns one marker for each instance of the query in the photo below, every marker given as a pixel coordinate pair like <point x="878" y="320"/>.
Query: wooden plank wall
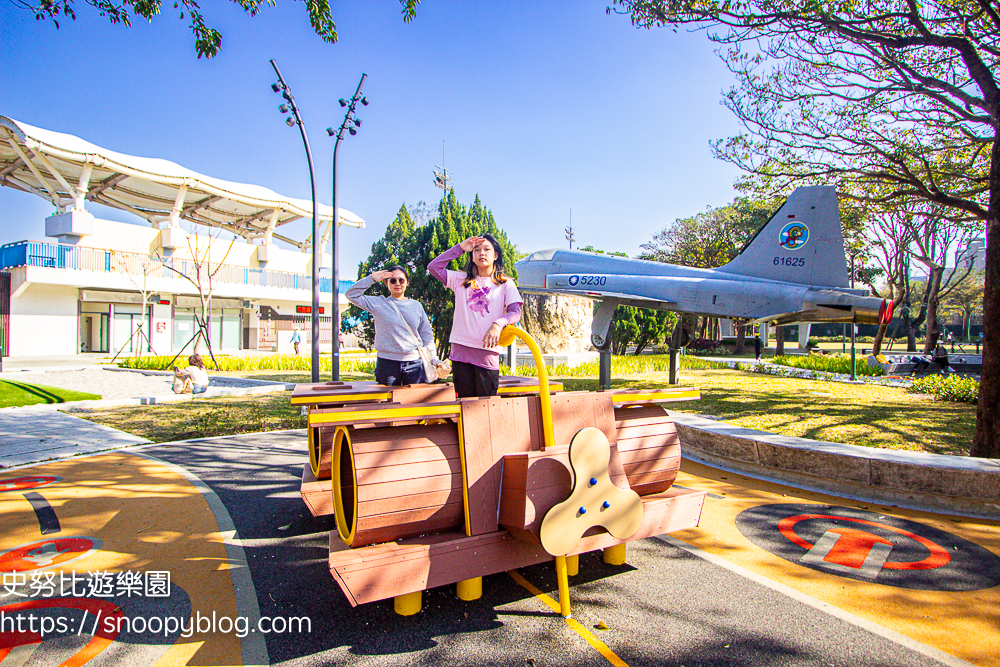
<point x="493" y="427"/>
<point x="649" y="448"/>
<point x="572" y="411"/>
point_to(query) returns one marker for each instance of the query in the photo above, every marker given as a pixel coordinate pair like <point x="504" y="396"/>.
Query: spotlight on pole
<point x="350" y="125"/>
<point x="292" y="121"/>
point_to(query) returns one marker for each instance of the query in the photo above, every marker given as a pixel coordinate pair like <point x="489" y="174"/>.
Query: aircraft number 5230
<point x="593" y="280"/>
<point x="789" y="261"/>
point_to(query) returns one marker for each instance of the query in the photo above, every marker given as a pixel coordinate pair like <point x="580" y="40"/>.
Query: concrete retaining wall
<point x="916" y="480"/>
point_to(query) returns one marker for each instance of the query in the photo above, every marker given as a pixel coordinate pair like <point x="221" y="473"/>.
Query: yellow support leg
<point x="408" y="604"/>
<point x="563" y="579"/>
<point x="469" y="589"/>
<point x="573" y="565"/>
<point x="615" y="555"/>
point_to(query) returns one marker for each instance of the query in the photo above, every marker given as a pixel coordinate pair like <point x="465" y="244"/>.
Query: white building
<point x="83" y="289"/>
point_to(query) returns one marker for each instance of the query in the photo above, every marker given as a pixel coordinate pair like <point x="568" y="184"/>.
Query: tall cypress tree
<point x="413" y="247"/>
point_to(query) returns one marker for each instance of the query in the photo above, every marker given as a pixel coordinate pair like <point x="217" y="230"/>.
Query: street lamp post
<point x="854" y="329"/>
<point x="349" y="125"/>
<point x="296" y="119"/>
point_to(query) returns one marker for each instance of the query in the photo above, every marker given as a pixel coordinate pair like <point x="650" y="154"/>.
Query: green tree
<point x="207" y="40"/>
<point x="889" y="101"/>
<point x="711" y="238"/>
<point x="413" y="246"/>
<point x="965" y="299"/>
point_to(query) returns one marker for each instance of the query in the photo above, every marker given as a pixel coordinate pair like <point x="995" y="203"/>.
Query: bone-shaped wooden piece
<point x="594" y="501"/>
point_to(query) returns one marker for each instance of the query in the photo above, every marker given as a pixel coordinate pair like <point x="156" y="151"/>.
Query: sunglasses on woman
<point x="397" y="281"/>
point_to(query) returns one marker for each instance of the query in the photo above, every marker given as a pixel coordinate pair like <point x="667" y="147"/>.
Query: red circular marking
<point x="937" y="558"/>
<point x="104" y="631"/>
<point x="44" y="554"/>
<point x="25" y="483"/>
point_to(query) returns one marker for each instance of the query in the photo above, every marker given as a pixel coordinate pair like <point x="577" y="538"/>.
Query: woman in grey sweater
<point x="397" y="362"/>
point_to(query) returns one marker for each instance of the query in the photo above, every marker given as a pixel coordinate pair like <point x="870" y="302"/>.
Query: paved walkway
<point x="32" y="435"/>
<point x="224" y="518"/>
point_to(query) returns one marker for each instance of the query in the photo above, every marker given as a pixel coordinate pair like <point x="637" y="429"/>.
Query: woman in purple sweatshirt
<point x="486" y="300"/>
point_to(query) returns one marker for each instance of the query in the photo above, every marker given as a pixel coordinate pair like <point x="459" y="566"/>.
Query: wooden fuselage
<point x="430" y="490"/>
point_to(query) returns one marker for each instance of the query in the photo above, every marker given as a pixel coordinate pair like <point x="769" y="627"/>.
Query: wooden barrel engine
<point x="649" y="448"/>
<point x="393" y="482"/>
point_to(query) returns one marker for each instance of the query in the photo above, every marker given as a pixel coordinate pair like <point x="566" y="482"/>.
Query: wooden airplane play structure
<point x="430" y="490"/>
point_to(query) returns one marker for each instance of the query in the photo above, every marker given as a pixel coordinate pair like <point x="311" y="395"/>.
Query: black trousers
<point x="472" y="380"/>
<point x="392" y="372"/>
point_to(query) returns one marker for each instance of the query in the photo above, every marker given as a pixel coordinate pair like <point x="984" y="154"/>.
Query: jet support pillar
<point x="600" y="337"/>
<point x="604" y="367"/>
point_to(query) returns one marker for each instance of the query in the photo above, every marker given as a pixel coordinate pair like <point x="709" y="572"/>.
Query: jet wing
<point x="600" y="295"/>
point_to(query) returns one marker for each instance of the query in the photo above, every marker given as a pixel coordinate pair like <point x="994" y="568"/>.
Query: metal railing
<point x="137" y="265"/>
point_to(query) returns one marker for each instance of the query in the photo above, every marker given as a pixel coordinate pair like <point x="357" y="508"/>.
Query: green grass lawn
<point x="866" y="415"/>
<point x="15" y="394"/>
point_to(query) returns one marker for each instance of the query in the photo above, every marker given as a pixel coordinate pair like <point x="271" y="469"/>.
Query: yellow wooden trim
<point x="401" y="413"/>
<point x="315" y="450"/>
<point x="465" y="479"/>
<point x="553" y="386"/>
<point x="657" y="396"/>
<point x="346" y="398"/>
<point x="346" y="535"/>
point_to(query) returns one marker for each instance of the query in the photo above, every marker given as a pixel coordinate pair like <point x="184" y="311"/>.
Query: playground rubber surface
<point x="773" y="576"/>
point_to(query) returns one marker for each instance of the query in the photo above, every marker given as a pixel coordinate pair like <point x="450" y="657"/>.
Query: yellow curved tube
<point x="506" y="338"/>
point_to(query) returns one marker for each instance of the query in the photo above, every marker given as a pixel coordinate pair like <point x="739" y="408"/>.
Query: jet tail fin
<point x="802" y="243"/>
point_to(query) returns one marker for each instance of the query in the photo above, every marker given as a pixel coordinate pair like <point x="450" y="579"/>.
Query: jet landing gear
<point x="600" y="337"/>
<point x="683" y="334"/>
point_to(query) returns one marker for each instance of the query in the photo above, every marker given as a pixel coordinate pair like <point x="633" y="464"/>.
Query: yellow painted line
<point x="601" y="647"/>
<point x="465" y="480"/>
<point x="657" y="396"/>
<point x="388" y="413"/>
<point x="347" y="398"/>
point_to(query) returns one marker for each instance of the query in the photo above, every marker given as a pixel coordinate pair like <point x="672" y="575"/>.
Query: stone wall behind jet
<point x="559" y="324"/>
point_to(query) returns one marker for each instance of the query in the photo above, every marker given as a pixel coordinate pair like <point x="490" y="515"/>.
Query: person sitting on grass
<point x="193" y="379"/>
<point x="940" y="358"/>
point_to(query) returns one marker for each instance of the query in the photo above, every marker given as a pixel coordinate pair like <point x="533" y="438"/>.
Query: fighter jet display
<point x="793" y="270"/>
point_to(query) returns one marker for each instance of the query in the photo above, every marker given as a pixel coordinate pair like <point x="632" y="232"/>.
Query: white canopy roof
<point x="67" y="170"/>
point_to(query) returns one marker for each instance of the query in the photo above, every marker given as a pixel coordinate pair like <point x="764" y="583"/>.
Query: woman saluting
<point x="398" y="321"/>
<point x="486" y="300"/>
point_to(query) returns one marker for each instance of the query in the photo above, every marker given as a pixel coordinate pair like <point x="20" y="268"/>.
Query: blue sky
<point x="544" y="106"/>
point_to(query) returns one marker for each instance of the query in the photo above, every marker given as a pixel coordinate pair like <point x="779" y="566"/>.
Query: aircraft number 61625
<point x="790" y="261"/>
